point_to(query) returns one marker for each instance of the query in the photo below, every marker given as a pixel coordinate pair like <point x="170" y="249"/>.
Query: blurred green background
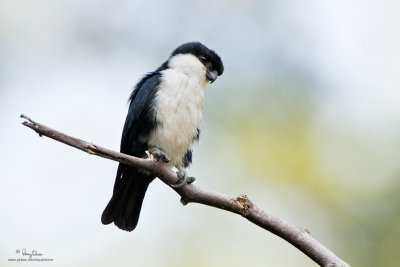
<point x="305" y="121"/>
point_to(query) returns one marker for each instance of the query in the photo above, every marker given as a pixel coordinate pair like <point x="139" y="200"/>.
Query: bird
<point x="164" y="120"/>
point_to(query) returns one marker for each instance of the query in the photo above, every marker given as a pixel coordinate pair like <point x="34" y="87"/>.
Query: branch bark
<point x="298" y="237"/>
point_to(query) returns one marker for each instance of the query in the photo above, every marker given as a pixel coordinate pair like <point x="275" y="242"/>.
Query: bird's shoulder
<point x="147" y="84"/>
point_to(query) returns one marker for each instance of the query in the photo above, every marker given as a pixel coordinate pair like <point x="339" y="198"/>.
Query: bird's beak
<point x="211" y="75"/>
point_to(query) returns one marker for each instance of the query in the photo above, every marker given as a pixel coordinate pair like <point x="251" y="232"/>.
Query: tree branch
<point x="298" y="237"/>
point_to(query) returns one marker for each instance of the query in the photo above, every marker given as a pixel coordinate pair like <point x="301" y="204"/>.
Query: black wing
<point x="141" y="116"/>
<point x="131" y="184"/>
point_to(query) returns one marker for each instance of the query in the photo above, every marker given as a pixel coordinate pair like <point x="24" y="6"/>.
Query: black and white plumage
<point x="165" y="115"/>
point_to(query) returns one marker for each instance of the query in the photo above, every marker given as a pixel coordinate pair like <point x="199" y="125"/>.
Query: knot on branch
<point x="305" y="230"/>
<point x="184" y="202"/>
<point x="92" y="149"/>
<point x="244" y="204"/>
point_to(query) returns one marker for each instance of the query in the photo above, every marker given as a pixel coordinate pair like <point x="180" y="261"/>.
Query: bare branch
<point x="298" y="237"/>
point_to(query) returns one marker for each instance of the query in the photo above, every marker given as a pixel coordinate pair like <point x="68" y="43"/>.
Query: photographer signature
<point x="33" y="253"/>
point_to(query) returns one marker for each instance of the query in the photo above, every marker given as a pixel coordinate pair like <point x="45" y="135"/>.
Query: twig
<point x="298" y="237"/>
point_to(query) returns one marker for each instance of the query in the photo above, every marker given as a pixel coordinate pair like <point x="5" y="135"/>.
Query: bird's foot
<point x="158" y="154"/>
<point x="183" y="179"/>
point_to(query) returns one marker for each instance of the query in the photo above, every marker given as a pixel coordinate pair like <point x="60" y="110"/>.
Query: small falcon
<point x="164" y="120"/>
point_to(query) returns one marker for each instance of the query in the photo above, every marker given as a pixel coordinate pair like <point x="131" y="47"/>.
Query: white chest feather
<point x="178" y="108"/>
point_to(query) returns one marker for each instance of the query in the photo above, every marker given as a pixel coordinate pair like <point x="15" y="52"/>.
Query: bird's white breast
<point x="178" y="105"/>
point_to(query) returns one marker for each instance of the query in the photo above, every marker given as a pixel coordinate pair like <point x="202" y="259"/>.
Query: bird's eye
<point x="203" y="58"/>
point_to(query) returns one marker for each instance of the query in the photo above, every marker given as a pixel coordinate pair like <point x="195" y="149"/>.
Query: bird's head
<point x="195" y="57"/>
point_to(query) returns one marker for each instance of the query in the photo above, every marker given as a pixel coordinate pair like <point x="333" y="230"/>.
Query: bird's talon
<point x="159" y="155"/>
<point x="181" y="182"/>
<point x="183" y="179"/>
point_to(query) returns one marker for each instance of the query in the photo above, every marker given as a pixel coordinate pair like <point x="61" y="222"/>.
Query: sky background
<point x="305" y="121"/>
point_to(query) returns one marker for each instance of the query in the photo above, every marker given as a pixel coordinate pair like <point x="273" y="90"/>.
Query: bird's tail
<point x="129" y="191"/>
